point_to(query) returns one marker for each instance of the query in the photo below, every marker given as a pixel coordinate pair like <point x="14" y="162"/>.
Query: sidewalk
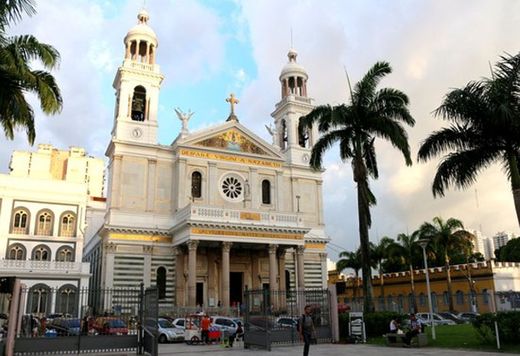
<point x="321" y="350"/>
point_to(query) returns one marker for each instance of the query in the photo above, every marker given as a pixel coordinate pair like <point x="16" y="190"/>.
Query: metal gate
<point x="150" y="314"/>
<point x="271" y="317"/>
<point x="86" y="320"/>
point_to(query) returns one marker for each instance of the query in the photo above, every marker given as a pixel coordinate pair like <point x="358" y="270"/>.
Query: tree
<point x="445" y="236"/>
<point x="370" y="114"/>
<point x="16" y="76"/>
<point x="511" y="251"/>
<point x="380" y="253"/>
<point x="350" y="260"/>
<point x="407" y="249"/>
<point x="484" y="129"/>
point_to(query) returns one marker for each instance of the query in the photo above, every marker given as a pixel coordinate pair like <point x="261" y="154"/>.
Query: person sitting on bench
<point x="393" y="328"/>
<point x="415" y="329"/>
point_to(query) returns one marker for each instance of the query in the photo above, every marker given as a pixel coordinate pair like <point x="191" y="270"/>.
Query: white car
<point x="168" y="332"/>
<point x="225" y="323"/>
<point x="180" y="323"/>
<point x="437" y="319"/>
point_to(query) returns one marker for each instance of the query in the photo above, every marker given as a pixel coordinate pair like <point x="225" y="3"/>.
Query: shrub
<point x="377" y="323"/>
<point x="508" y="326"/>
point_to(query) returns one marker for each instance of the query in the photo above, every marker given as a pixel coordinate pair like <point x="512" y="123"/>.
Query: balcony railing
<point x="40" y="266"/>
<point x="241" y="216"/>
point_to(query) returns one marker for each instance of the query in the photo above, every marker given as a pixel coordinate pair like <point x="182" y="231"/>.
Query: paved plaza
<point x="316" y="350"/>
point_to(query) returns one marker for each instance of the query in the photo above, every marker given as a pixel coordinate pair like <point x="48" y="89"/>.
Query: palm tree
<point x="446" y="236"/>
<point x="351" y="260"/>
<point x="406" y="249"/>
<point x="370" y="114"/>
<point x="380" y="253"/>
<point x="16" y="76"/>
<point x="484" y="129"/>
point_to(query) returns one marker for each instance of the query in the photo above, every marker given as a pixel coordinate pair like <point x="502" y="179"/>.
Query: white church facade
<point x="218" y="211"/>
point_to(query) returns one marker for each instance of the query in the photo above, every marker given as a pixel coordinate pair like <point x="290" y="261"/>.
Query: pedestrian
<point x="306" y="329"/>
<point x="415" y="329"/>
<point x="204" y="328"/>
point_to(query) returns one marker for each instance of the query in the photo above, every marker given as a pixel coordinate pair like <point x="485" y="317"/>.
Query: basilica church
<point x="217" y="211"/>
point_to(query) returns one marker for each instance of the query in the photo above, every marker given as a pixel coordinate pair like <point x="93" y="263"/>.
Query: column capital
<point x="281" y="252"/>
<point x="177" y="250"/>
<point x="192" y="245"/>
<point x="323" y="256"/>
<point x="148" y="249"/>
<point x="273" y="248"/>
<point x="226" y="246"/>
<point x="300" y="250"/>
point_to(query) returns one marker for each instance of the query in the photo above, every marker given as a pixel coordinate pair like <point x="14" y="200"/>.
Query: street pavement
<point x="316" y="350"/>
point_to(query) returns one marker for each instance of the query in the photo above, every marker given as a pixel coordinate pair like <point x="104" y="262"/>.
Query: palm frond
<point x="323" y="144"/>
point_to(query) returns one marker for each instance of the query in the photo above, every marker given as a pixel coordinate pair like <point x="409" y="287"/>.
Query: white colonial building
<point x="43" y="203"/>
<point x="217" y="211"/>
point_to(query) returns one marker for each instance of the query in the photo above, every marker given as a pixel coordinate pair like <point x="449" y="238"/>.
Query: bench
<point x="418" y="340"/>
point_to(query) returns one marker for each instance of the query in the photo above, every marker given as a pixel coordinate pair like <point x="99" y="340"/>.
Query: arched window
<point x="434" y="301"/>
<point x="400" y="301"/>
<point x="44" y="221"/>
<point x="283" y="134"/>
<point x="16" y="252"/>
<point x="20" y="222"/>
<point x="266" y="192"/>
<point x="161" y="282"/>
<point x="68" y="224"/>
<point x="41" y="253"/>
<point x="65" y="254"/>
<point x="67" y="300"/>
<point x="446" y="298"/>
<point x="39" y="301"/>
<point x="196" y="185"/>
<point x="390" y="302"/>
<point x="411" y="303"/>
<point x="139" y="103"/>
<point x="485" y="296"/>
<point x="303" y="135"/>
<point x="459" y="297"/>
<point x="422" y="299"/>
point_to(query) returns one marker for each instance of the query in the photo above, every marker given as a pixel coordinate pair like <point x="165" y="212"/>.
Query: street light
<point x="423" y="243"/>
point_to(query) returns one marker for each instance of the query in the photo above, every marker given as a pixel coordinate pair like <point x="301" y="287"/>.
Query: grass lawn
<point x="461" y="336"/>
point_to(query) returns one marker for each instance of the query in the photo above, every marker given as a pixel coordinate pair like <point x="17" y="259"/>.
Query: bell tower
<point x="293" y="140"/>
<point x="137" y="84"/>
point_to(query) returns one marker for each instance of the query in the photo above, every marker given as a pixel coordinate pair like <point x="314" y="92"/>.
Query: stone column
<point x="180" y="282"/>
<point x="281" y="273"/>
<point x="127" y="52"/>
<point x="137" y="47"/>
<point x="224" y="290"/>
<point x="300" y="273"/>
<point x="212" y="183"/>
<point x="147" y="57"/>
<point x="192" y="273"/>
<point x="147" y="266"/>
<point x="273" y="271"/>
<point x="324" y="276"/>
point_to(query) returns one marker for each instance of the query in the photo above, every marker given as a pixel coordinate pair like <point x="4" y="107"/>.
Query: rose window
<point x="232" y="187"/>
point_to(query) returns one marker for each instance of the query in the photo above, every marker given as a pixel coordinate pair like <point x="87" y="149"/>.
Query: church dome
<point x="292" y="68"/>
<point x="142" y="30"/>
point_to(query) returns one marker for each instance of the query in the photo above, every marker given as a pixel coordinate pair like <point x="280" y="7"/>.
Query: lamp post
<point x="423" y="243"/>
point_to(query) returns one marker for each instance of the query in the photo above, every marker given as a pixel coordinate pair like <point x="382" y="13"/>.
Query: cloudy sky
<point x="208" y="49"/>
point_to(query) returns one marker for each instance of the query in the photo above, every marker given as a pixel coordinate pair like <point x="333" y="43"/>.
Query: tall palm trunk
<point x="515" y="183"/>
<point x="366" y="272"/>
<point x="448" y="281"/>
<point x="381" y="284"/>
<point x="412" y="286"/>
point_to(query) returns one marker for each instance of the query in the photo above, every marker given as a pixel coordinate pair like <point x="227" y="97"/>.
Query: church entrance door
<point x="235" y="287"/>
<point x="200" y="293"/>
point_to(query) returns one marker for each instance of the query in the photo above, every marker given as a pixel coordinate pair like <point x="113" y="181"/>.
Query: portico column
<point x="281" y="273"/>
<point x="192" y="272"/>
<point x="224" y="290"/>
<point x="301" y="277"/>
<point x="179" y="276"/>
<point x="273" y="271"/>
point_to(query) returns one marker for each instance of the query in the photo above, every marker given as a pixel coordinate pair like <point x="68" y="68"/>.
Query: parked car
<point x="287" y="322"/>
<point x="225" y="323"/>
<point x="168" y="332"/>
<point x="437" y="319"/>
<point x="110" y="326"/>
<point x="180" y="323"/>
<point x="66" y="326"/>
<point x="468" y="316"/>
<point x="451" y="316"/>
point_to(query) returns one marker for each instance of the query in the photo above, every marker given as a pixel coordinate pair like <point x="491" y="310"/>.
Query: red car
<point x="110" y="326"/>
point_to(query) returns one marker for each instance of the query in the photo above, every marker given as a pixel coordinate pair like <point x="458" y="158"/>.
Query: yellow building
<point x="472" y="285"/>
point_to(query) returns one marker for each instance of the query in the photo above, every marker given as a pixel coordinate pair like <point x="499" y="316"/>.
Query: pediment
<point x="233" y="138"/>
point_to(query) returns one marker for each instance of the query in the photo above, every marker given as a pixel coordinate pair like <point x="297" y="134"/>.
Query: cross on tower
<point x="232" y="100"/>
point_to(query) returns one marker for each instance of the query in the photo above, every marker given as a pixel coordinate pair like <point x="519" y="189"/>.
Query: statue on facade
<point x="272" y="131"/>
<point x="184" y="117"/>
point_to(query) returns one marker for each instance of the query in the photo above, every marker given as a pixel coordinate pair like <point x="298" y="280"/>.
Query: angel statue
<point x="184" y="117"/>
<point x="272" y="131"/>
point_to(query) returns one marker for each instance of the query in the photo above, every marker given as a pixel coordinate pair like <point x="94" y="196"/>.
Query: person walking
<point x="306" y="329"/>
<point x="205" y="328"/>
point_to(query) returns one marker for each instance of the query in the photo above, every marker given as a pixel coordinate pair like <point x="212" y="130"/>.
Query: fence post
<point x="333" y="307"/>
<point x="13" y="317"/>
<point x="140" y="328"/>
<point x="494" y="311"/>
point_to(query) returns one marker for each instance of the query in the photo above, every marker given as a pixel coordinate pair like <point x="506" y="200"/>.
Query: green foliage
<point x="511" y="251"/>
<point x="343" y="325"/>
<point x="508" y="326"/>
